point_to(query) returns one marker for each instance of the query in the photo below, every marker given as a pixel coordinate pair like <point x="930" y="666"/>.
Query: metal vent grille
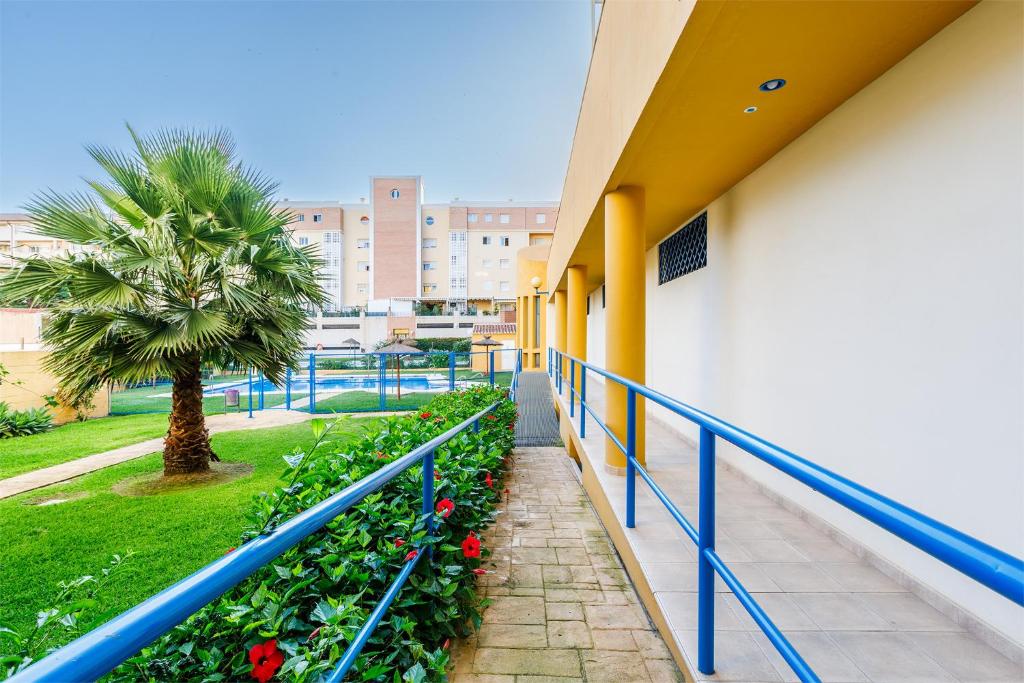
<point x="684" y="251"/>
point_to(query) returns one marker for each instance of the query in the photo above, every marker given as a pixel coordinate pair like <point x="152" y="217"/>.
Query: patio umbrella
<point x="487" y="341"/>
<point x="351" y="343"/>
<point x="398" y="348"/>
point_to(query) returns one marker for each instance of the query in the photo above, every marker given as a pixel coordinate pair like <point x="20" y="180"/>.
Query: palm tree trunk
<point x="187" y="444"/>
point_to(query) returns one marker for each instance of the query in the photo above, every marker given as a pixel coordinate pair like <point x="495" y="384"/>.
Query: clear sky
<point x="480" y="98"/>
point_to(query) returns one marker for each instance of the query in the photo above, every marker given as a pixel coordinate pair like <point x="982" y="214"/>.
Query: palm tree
<point x="186" y="261"/>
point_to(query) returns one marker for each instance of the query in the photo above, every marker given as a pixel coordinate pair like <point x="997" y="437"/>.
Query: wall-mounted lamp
<point x="536" y="282"/>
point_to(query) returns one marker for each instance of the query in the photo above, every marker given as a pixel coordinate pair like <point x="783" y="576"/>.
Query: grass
<point x="142" y="400"/>
<point x="75" y="440"/>
<point x="355" y="401"/>
<point x="172" y="534"/>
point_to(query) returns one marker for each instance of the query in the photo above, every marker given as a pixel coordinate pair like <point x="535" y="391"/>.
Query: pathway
<point x="851" y="615"/>
<point x="214" y="423"/>
<point x="538" y="424"/>
<point x="562" y="608"/>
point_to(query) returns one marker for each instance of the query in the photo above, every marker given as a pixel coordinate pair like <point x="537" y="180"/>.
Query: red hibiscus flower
<point x="266" y="660"/>
<point x="492" y="418"/>
<point x="445" y="507"/>
<point x="412" y="554"/>
<point x="489" y="481"/>
<point x="479" y="572"/>
<point x="511" y="427"/>
<point x="425" y="416"/>
<point x="471" y="546"/>
<point x="399" y="543"/>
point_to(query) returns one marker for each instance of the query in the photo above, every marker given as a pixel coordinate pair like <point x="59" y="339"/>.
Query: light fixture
<point x="536" y="282"/>
<point x="772" y="85"/>
<point x="750" y="110"/>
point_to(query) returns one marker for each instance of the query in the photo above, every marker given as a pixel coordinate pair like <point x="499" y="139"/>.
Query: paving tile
<point x="515" y="610"/>
<point x="799" y="577"/>
<point x="860" y="578"/>
<point x="663" y="671"/>
<point x="564" y="611"/>
<point x="614" y="639"/>
<point x="572" y="556"/>
<point x="610" y="666"/>
<point x="908" y="612"/>
<point x="650" y="645"/>
<point x="615" y="616"/>
<point x="839" y="612"/>
<point x="966" y="658"/>
<point x="546" y="662"/>
<point x="737" y="657"/>
<point x="890" y="657"/>
<point x="512" y="635"/>
<point x="569" y="634"/>
<point x="821" y="653"/>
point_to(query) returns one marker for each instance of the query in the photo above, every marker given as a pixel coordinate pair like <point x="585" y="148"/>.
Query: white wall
<point x="596" y="334"/>
<point x="863" y="303"/>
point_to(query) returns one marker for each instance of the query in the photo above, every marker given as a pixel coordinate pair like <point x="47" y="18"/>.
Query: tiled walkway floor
<point x="849" y="620"/>
<point x="561" y="607"/>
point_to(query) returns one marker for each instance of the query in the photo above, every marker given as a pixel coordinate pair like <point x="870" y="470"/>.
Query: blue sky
<point x="480" y="98"/>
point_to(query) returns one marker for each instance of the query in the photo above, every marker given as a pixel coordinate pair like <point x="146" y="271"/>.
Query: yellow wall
<point x="532" y="262"/>
<point x="27" y="383"/>
<point x="480" y="361"/>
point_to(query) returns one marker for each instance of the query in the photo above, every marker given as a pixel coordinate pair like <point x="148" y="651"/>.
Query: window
<point x="301" y="217"/>
<point x="332" y="237"/>
<point x="395" y="194"/>
<point x="488" y="218"/>
<point x="503" y="286"/>
<point x="684" y="251"/>
<point x="486" y="239"/>
<point x="429" y="288"/>
<point x="504" y="263"/>
<point x="318" y="218"/>
<point x="504" y="240"/>
<point x="602" y="296"/>
<point x="540" y="218"/>
<point x="504" y="218"/>
<point x="362" y="288"/>
<point x="473" y="217"/>
<point x="488" y="285"/>
<point x="488" y="263"/>
<point x="33" y="250"/>
<point x="539" y="240"/>
<point x="429" y="265"/>
<point x="303" y="241"/>
<point x="362" y="244"/>
<point x="363" y="266"/>
<point x="430" y="243"/>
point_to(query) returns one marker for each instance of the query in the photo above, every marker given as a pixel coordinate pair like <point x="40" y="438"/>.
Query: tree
<point x="186" y="261"/>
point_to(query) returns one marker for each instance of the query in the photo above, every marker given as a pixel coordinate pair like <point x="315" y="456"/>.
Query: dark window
<point x="588" y="304"/>
<point x="684" y="251"/>
<point x="602" y="296"/>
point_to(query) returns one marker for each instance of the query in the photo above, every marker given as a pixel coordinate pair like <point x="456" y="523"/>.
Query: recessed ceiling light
<point x="750" y="110"/>
<point x="772" y="85"/>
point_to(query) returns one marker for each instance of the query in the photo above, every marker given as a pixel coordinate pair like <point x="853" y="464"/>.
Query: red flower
<point x="230" y="550"/>
<point x="471" y="546"/>
<point x="511" y="427"/>
<point x="437" y="475"/>
<point x="447" y="642"/>
<point x="489" y="481"/>
<point x="425" y="416"/>
<point x="266" y="660"/>
<point x="492" y="418"/>
<point x="314" y="634"/>
<point x="445" y="507"/>
<point x="399" y="543"/>
<point x="479" y="572"/>
<point x="412" y="554"/>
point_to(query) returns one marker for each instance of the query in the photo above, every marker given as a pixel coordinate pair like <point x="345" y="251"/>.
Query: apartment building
<point x="19" y="240"/>
<point x="391" y="252"/>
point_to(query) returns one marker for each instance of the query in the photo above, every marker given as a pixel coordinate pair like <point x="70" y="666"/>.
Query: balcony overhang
<point x="667" y="89"/>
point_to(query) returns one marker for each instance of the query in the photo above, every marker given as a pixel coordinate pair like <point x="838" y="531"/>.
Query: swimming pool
<point x="300" y="384"/>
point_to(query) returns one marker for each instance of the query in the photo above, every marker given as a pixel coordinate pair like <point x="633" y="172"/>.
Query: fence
<point x="103" y="649"/>
<point x="983" y="563"/>
<point x="335" y="382"/>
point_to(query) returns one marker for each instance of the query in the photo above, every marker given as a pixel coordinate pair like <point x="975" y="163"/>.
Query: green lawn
<point x="75" y="440"/>
<point x="146" y="400"/>
<point x="355" y="401"/>
<point x="172" y="534"/>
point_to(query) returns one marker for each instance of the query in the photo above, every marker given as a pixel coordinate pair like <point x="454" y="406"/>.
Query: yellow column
<point x="519" y="322"/>
<point x="527" y="332"/>
<point x="625" y="319"/>
<point x="576" y="337"/>
<point x="561" y="332"/>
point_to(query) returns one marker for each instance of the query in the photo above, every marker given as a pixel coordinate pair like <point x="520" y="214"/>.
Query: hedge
<point x="293" y="618"/>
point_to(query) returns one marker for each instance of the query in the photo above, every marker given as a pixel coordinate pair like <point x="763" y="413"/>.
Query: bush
<point x="314" y="598"/>
<point x="23" y="422"/>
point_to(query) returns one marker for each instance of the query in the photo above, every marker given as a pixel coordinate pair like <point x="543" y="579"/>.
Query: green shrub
<point x="314" y="598"/>
<point x="23" y="422"/>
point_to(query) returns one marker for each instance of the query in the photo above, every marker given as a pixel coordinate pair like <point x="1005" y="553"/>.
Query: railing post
<point x="572" y="387"/>
<point x="250" y="393"/>
<point x="583" y="401"/>
<point x="288" y="389"/>
<point x="476" y="425"/>
<point x="428" y="493"/>
<point x="261" y="391"/>
<point x="706" y="541"/>
<point x="383" y="365"/>
<point x="312" y="383"/>
<point x="549" y="361"/>
<point x="451" y="371"/>
<point x="630" y="458"/>
<point x="490" y="355"/>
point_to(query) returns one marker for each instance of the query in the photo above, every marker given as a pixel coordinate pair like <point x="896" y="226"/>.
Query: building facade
<point x="806" y="219"/>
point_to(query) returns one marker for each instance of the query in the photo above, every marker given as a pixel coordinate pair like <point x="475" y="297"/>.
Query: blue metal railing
<point x="104" y="648"/>
<point x="981" y="562"/>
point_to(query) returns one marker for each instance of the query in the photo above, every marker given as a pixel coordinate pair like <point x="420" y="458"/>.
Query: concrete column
<point x="561" y="331"/>
<point x="527" y="332"/>
<point x="577" y="315"/>
<point x="625" y="314"/>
